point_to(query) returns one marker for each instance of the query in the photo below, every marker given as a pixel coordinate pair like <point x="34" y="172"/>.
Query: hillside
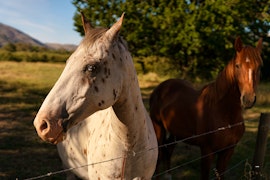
<point x="56" y="46"/>
<point x="9" y="34"/>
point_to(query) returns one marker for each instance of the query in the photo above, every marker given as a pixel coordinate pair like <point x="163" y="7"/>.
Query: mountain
<point x="56" y="46"/>
<point x="9" y="34"/>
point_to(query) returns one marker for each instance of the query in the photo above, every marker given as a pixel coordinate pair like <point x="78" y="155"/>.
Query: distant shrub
<point x="27" y="53"/>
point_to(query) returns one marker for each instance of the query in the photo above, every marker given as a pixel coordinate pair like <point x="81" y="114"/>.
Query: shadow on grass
<point x="22" y="153"/>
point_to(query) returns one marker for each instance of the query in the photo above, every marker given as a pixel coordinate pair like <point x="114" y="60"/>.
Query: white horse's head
<point x="92" y="80"/>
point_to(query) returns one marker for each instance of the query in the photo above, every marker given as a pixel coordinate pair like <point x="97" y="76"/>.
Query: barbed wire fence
<point x="247" y="172"/>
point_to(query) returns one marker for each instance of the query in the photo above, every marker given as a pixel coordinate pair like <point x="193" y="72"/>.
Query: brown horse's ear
<point x="260" y="44"/>
<point x="114" y="30"/>
<point x="238" y="45"/>
<point x="86" y="24"/>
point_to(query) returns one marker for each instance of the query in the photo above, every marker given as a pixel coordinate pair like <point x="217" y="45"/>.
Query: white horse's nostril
<point x="43" y="126"/>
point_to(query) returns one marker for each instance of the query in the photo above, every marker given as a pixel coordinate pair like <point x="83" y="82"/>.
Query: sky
<point x="49" y="21"/>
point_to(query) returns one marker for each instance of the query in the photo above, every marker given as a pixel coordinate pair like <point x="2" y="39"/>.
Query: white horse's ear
<point x="114" y="30"/>
<point x="86" y="24"/>
<point x="238" y="45"/>
<point x="260" y="45"/>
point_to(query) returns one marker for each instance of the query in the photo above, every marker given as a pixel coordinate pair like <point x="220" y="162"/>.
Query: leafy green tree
<point x="196" y="35"/>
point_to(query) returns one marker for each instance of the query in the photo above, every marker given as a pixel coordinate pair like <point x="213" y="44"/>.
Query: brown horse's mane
<point x="225" y="81"/>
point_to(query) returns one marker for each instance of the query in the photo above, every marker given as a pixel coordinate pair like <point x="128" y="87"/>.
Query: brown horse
<point x="210" y="118"/>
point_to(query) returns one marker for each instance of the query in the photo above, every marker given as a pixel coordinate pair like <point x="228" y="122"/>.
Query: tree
<point x="10" y="47"/>
<point x="196" y="35"/>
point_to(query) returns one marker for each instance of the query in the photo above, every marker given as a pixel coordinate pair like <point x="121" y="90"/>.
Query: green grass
<point x="23" y="87"/>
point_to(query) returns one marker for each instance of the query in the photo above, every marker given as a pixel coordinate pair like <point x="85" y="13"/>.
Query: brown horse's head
<point x="247" y="64"/>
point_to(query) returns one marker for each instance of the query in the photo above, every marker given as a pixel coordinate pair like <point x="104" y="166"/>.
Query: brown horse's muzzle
<point x="48" y="130"/>
<point x="248" y="100"/>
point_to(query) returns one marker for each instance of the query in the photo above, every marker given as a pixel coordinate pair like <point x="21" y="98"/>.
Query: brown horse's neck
<point x="224" y="88"/>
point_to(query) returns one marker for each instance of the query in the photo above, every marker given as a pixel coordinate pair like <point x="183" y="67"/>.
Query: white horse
<point x="95" y="114"/>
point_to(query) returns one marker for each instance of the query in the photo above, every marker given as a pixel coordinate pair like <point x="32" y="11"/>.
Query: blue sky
<point x="45" y="20"/>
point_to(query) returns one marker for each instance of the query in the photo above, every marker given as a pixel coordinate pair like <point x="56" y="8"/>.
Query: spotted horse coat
<point x="95" y="114"/>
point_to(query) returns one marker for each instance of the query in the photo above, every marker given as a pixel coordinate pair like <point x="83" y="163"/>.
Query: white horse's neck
<point x="129" y="108"/>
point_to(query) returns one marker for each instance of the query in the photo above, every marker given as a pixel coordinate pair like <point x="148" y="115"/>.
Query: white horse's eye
<point x="91" y="68"/>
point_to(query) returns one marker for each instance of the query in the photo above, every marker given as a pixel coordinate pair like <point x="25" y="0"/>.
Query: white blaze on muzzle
<point x="250" y="75"/>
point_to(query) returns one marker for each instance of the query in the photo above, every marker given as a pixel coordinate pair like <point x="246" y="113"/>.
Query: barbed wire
<point x="132" y="153"/>
<point x="203" y="134"/>
<point x="70" y="169"/>
<point x="197" y="159"/>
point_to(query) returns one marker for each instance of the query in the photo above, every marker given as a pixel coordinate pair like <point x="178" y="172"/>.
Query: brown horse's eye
<point x="237" y="66"/>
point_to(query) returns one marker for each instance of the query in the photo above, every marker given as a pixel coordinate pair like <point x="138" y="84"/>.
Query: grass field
<point x="23" y="87"/>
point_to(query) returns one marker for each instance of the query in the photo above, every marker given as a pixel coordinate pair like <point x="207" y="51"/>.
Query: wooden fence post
<point x="261" y="142"/>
